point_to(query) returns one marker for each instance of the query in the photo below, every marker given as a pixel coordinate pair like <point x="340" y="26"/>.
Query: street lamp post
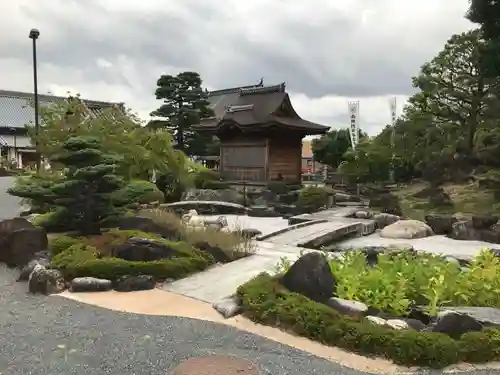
<point x="34" y="34"/>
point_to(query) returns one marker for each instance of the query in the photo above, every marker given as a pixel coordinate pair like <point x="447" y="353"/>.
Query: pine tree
<point x="84" y="194"/>
<point x="184" y="104"/>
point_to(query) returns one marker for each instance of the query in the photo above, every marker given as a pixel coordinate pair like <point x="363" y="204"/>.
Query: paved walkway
<point x="222" y="281"/>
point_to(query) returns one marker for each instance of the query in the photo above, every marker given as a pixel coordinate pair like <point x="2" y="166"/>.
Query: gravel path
<point x="56" y="336"/>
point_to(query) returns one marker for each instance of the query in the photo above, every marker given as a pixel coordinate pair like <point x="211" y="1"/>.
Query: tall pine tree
<point x="486" y="13"/>
<point x="185" y="102"/>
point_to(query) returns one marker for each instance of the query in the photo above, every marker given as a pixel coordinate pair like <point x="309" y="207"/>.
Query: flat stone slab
<point x="434" y="244"/>
<point x="221" y="281"/>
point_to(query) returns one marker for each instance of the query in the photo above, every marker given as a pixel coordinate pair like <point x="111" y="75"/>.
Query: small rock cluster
<point x="478" y="228"/>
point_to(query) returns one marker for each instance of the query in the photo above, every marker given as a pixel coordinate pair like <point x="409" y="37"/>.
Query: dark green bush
<point x="57" y="221"/>
<point x="313" y="196"/>
<point x="138" y="191"/>
<point x="266" y="301"/>
<point x="81" y="260"/>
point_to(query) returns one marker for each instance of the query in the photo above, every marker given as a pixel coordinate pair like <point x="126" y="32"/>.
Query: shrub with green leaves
<point x="265" y="301"/>
<point x="401" y="280"/>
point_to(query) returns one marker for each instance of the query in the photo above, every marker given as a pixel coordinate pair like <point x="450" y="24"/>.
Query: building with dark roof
<point x="16" y="112"/>
<point x="260" y="132"/>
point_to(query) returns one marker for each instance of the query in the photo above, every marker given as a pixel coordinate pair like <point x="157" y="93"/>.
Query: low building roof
<point x="16" y="111"/>
<point x="256" y="107"/>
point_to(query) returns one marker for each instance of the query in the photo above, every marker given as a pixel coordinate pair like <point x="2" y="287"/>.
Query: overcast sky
<point x="327" y="51"/>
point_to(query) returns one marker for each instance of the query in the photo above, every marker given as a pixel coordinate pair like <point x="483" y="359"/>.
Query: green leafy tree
<point x="486" y="13"/>
<point x="455" y="92"/>
<point x="331" y="147"/>
<point x="185" y="102"/>
<point x="119" y="132"/>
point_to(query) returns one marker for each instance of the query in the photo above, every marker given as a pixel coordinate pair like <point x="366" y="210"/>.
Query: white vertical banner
<point x="354" y="122"/>
<point x="393" y="108"/>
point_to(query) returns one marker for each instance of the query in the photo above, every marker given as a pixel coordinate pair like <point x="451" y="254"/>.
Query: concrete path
<point x="222" y="281"/>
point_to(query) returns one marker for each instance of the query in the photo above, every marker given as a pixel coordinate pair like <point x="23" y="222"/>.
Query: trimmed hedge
<point x="80" y="260"/>
<point x="265" y="301"/>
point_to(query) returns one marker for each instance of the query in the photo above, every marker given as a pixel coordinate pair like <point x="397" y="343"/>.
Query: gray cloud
<point x="364" y="49"/>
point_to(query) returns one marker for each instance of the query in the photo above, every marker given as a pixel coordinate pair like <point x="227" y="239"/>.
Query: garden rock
<point x="346" y="307"/>
<point x="376" y="320"/>
<point x="10" y="225"/>
<point x="143" y="250"/>
<point x="228" y="307"/>
<point x="407" y="229"/>
<point x="46" y="281"/>
<point x="415" y="324"/>
<point x="484" y="222"/>
<point x="312" y="277"/>
<point x="147" y="225"/>
<point x="134" y="283"/>
<point x="397" y="324"/>
<point x="455" y="324"/>
<point x="441" y="224"/>
<point x="385" y="219"/>
<point x="488" y="316"/>
<point x="216" y="252"/>
<point x="363" y="215"/>
<point x="26" y="271"/>
<point x="250" y="232"/>
<point x="464" y="230"/>
<point x="90" y="284"/>
<point x="18" y="247"/>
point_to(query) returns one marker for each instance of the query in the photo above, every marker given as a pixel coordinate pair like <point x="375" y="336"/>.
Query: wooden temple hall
<point x="260" y="134"/>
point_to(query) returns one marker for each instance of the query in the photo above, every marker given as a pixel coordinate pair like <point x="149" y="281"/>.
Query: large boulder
<point x="407" y="229"/>
<point x="18" y="247"/>
<point x="441" y="224"/>
<point x="143" y="250"/>
<point x="46" y="281"/>
<point x="312" y="277"/>
<point x="455" y="324"/>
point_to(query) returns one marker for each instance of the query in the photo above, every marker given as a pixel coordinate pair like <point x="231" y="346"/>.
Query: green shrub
<point x="82" y="260"/>
<point x="138" y="191"/>
<point x="313" y="196"/>
<point x="61" y="243"/>
<point x="265" y="301"/>
<point x="404" y="279"/>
